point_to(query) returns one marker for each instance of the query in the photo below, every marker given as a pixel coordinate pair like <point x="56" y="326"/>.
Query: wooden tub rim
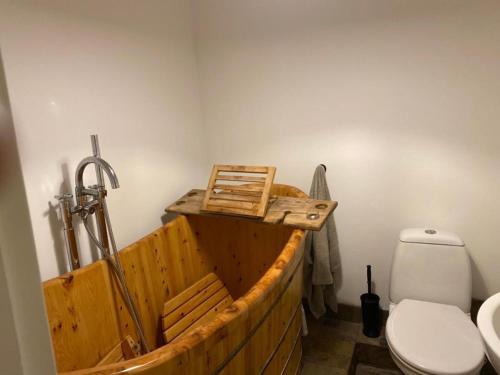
<point x="260" y="290"/>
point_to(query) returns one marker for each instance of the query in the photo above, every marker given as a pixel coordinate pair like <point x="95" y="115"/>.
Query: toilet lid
<point x="434" y="338"/>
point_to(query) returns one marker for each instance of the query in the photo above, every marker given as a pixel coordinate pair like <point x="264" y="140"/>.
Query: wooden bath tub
<point x="260" y="332"/>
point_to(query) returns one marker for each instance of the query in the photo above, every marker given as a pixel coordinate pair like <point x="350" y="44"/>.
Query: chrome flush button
<point x="430" y="231"/>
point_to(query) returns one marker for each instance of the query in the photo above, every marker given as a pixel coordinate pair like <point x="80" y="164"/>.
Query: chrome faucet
<point x="79" y="187"/>
<point x="89" y="200"/>
<point x="98" y="192"/>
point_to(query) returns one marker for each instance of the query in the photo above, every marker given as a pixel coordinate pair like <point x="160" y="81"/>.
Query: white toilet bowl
<point x="433" y="338"/>
<point x="429" y="330"/>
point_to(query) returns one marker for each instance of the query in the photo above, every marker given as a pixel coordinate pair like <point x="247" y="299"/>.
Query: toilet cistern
<point x="429" y="330"/>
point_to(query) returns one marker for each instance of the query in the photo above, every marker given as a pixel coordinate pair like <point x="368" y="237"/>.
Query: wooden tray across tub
<point x="303" y="213"/>
<point x="245" y="191"/>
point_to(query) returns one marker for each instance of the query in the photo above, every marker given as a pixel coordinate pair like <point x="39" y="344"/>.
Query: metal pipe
<point x="121" y="274"/>
<point x="99" y="214"/>
<point x="103" y="164"/>
<point x="114" y="260"/>
<point x="65" y="203"/>
<point x="94" y="139"/>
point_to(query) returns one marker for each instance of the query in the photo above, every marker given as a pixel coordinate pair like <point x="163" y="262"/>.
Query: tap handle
<point x="63" y="196"/>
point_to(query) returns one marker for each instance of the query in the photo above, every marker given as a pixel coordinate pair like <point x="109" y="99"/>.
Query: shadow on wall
<point x="57" y="227"/>
<point x="337" y="276"/>
<point x="167" y="217"/>
<point x="478" y="281"/>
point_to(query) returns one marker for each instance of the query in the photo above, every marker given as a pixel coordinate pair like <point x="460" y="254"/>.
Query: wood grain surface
<point x="229" y="192"/>
<point x="297" y="212"/>
<point x="259" y="264"/>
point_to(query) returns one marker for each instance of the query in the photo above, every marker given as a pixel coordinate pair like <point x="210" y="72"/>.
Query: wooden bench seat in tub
<point x="195" y="306"/>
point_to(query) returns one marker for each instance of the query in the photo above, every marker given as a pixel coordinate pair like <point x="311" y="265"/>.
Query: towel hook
<point x="324" y="166"/>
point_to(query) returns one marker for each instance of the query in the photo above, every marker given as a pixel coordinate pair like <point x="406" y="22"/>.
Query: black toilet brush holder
<point x="370" y="309"/>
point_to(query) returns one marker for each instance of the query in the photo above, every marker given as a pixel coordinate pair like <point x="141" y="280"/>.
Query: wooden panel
<point x="284" y="351"/>
<point x="209" y="307"/>
<point x="195" y="290"/>
<point x="74" y="320"/>
<point x="179" y="313"/>
<point x="115" y="355"/>
<point x="294" y="362"/>
<point x="241" y="251"/>
<point x="157" y="268"/>
<point x="280" y="321"/>
<point x="82" y="334"/>
<point x="208" y="316"/>
<point x="238" y="197"/>
<point x="296" y="212"/>
<point x="195" y="306"/>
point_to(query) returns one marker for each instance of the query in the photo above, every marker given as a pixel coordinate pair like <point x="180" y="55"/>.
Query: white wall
<point x="123" y="71"/>
<point x="400" y="99"/>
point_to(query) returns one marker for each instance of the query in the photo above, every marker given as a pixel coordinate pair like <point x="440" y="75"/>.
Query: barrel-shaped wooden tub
<point x="260" y="332"/>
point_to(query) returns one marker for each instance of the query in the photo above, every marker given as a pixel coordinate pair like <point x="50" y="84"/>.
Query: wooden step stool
<point x="194" y="306"/>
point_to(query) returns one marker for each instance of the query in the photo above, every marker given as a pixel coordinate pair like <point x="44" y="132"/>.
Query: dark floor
<point x="336" y="346"/>
<point x="332" y="343"/>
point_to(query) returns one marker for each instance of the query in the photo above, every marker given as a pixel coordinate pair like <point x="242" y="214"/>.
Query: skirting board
<point x="351" y="313"/>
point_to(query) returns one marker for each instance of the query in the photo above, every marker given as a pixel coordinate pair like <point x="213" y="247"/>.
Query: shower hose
<point x="114" y="262"/>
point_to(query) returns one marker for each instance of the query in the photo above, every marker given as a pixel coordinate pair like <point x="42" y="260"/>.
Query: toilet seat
<point x="434" y="338"/>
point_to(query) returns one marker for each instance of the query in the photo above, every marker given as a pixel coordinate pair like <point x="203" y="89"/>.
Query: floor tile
<point x="362" y="369"/>
<point x="378" y="341"/>
<point x="332" y="360"/>
<point x="316" y="369"/>
<point x="328" y="343"/>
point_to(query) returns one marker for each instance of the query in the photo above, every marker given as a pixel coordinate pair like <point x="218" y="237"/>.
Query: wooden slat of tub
<point x="153" y="275"/>
<point x="189" y="305"/>
<point x="263" y="345"/>
<point x="282" y="356"/>
<point x="208" y="307"/>
<point x="245" y="250"/>
<point x="189" y="293"/>
<point x="71" y="301"/>
<point x="293" y="365"/>
<point x="206" y="318"/>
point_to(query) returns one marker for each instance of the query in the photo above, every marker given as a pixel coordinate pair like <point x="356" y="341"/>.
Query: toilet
<point x="429" y="329"/>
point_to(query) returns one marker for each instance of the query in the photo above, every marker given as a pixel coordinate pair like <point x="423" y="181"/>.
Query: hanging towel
<point x="321" y="259"/>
